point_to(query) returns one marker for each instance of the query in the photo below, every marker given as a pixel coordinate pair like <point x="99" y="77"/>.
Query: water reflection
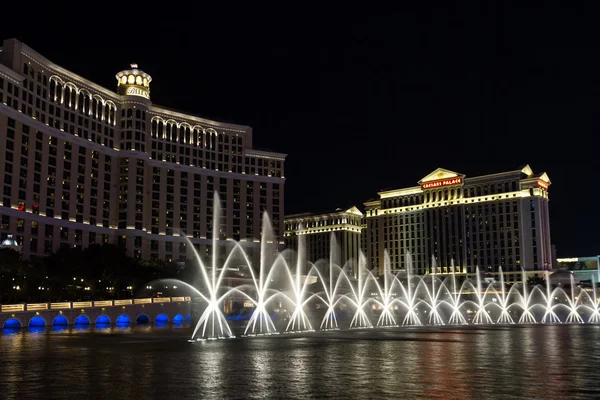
<point x="530" y="362"/>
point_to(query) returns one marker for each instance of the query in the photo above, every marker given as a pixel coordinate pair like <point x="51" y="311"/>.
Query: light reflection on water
<point x="158" y="362"/>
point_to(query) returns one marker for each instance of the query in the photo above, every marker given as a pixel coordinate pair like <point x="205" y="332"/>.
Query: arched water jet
<point x="434" y="315"/>
<point x="573" y="308"/>
<point x="526" y="317"/>
<point x="505" y="317"/>
<point x="549" y="316"/>
<point x="456" y="318"/>
<point x="260" y="322"/>
<point x="411" y="317"/>
<point x="212" y="321"/>
<point x="386" y="318"/>
<point x="360" y="319"/>
<point x="595" y="317"/>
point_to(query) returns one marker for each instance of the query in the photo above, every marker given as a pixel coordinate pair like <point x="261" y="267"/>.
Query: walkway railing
<point x="88" y="304"/>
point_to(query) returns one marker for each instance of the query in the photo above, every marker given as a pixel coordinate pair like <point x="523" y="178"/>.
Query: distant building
<point x="345" y="225"/>
<point x="586" y="268"/>
<point x="490" y="221"/>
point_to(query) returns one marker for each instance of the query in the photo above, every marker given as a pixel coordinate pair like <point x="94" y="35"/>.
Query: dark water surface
<point x="159" y="363"/>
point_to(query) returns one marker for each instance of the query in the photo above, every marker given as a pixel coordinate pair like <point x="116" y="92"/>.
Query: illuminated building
<point x="317" y="230"/>
<point x="487" y="221"/>
<point x="83" y="164"/>
<point x="586" y="268"/>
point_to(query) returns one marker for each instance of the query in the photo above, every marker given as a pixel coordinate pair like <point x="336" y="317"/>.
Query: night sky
<point x="363" y="100"/>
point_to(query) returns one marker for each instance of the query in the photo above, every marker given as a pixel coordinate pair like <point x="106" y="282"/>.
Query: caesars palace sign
<point x="441" y="182"/>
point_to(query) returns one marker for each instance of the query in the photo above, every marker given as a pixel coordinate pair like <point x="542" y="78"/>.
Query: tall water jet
<point x="260" y="321"/>
<point x="505" y="317"/>
<point x="527" y="316"/>
<point x="481" y="316"/>
<point x="549" y="316"/>
<point x="386" y="318"/>
<point x="360" y="319"/>
<point x="456" y="318"/>
<point x="330" y="320"/>
<point x="299" y="321"/>
<point x="212" y="321"/>
<point x="595" y="317"/>
<point x="434" y="315"/>
<point x="411" y="317"/>
<point x="573" y="314"/>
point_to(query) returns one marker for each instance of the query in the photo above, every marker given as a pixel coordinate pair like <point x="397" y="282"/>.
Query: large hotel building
<point x="81" y="164"/>
<point x="486" y="221"/>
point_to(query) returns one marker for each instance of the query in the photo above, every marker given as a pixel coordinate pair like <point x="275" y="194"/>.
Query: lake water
<point x="159" y="363"/>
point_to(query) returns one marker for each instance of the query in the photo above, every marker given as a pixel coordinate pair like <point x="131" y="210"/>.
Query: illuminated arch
<point x="72" y="86"/>
<point x="178" y="319"/>
<point x="103" y="320"/>
<point x="57" y="79"/>
<point x="37" y="321"/>
<point x="123" y="319"/>
<point x="162" y="318"/>
<point x="12" y="323"/>
<point x="142" y="319"/>
<point x="60" y="320"/>
<point x="84" y="320"/>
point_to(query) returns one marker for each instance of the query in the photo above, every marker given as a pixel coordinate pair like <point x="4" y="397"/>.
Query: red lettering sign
<point x="543" y="184"/>
<point x="441" y="182"/>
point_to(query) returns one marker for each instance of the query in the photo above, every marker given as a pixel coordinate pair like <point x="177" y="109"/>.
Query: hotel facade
<point x="491" y="221"/>
<point x="317" y="230"/>
<point x="82" y="164"/>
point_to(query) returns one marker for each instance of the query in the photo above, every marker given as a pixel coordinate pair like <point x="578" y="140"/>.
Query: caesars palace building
<point x="491" y="221"/>
<point x="81" y="164"/>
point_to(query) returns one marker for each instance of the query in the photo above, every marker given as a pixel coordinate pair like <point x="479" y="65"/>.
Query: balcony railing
<point x="11" y="308"/>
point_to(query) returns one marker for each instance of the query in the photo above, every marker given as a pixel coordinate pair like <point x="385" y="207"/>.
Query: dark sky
<point x="362" y="100"/>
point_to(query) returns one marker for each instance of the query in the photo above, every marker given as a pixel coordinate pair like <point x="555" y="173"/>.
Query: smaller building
<point x="586" y="268"/>
<point x="318" y="229"/>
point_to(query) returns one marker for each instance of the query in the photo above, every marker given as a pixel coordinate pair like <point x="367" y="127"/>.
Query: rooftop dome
<point x="10" y="243"/>
<point x="563" y="277"/>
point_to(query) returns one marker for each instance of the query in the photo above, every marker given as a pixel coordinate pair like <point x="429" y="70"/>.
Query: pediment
<point x="354" y="210"/>
<point x="440" y="173"/>
<point x="544" y="177"/>
<point x="527" y="170"/>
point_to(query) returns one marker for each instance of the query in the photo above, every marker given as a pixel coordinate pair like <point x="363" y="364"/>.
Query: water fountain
<point x="434" y="315"/>
<point x="386" y="301"/>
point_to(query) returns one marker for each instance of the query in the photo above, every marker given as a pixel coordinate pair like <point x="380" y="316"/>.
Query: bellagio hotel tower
<point x="81" y="164"/>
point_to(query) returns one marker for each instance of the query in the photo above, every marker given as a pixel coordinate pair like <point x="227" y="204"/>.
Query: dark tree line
<point x="99" y="272"/>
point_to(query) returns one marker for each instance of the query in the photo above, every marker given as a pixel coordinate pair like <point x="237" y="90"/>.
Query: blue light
<point x="123" y="320"/>
<point x="161" y="324"/>
<point x="12" y="323"/>
<point x="162" y="318"/>
<point x="60" y="320"/>
<point x="178" y="319"/>
<point x="37" y="329"/>
<point x="56" y="328"/>
<point x="11" y="331"/>
<point x="84" y="320"/>
<point x="37" y="322"/>
<point x="142" y="320"/>
<point x="102" y="320"/>
<point x="188" y="318"/>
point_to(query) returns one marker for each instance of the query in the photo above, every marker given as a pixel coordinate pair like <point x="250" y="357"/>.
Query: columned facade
<point x="491" y="222"/>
